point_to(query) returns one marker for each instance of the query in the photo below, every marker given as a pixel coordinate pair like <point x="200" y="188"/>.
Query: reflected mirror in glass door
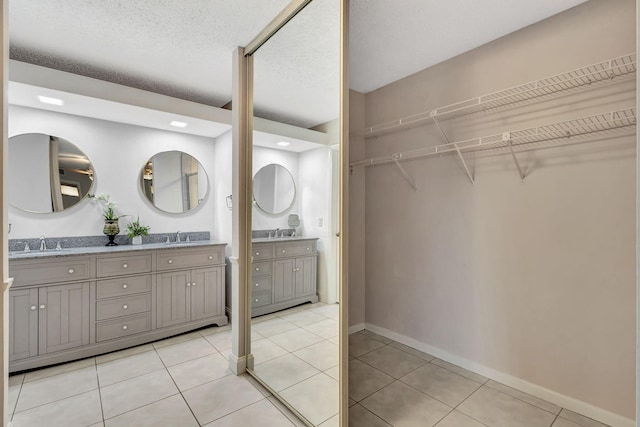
<point x="274" y="189"/>
<point x="174" y="182"/>
<point x="47" y="173"/>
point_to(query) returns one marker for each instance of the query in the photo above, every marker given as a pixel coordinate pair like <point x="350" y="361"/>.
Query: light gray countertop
<point x="281" y="239"/>
<point x="93" y="250"/>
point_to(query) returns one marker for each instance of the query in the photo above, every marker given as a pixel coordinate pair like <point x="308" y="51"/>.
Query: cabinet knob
<point x="124" y="266"/>
<point x="125" y="286"/>
<point x="256" y="300"/>
<point x="125" y="327"/>
<point x="294" y="269"/>
<point x="308" y="249"/>
<point x="257" y="284"/>
<point x="42" y="307"/>
<point x="170" y="261"/>
<point x="283" y="251"/>
<point x="257" y="253"/>
<point x="71" y="270"/>
<point x="210" y="257"/>
<point x="124" y="307"/>
<point x="257" y="268"/>
<point x="188" y="285"/>
<point x="33" y="307"/>
<point x="193" y="284"/>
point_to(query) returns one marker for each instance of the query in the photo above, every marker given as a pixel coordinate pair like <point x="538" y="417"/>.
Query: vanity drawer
<point x="261" y="298"/>
<point x="261" y="283"/>
<point x="260" y="251"/>
<point x="123" y="265"/>
<point x="261" y="268"/>
<point x="123" y="306"/>
<point x="123" y="326"/>
<point x="186" y="258"/>
<point x="123" y="286"/>
<point x="39" y="272"/>
<point x="294" y="249"/>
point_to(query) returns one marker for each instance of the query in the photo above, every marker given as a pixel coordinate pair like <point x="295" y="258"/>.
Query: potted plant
<point x="135" y="231"/>
<point x="110" y="215"/>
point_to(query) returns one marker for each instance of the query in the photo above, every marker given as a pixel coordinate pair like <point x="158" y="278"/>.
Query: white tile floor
<point x="296" y="354"/>
<point x="392" y="384"/>
<point x="185" y="380"/>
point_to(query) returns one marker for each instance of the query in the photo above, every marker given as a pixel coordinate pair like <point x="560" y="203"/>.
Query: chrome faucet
<point x="178" y="237"/>
<point x="43" y="244"/>
<point x="276" y="233"/>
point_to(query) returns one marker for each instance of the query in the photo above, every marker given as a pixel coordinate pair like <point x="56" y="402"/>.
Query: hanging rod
<point x="615" y="69"/>
<point x="560" y="132"/>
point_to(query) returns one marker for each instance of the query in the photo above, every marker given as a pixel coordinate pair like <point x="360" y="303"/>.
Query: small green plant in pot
<point x="135" y="231"/>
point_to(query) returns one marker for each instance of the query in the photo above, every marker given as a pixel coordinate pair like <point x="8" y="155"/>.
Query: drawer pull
<point x="283" y="251"/>
<point x="308" y="249"/>
<point x="124" y="307"/>
<point x="125" y="327"/>
<point x="170" y="261"/>
<point x="125" y="286"/>
<point x="257" y="253"/>
<point x="42" y="307"/>
<point x="71" y="271"/>
<point x="210" y="257"/>
<point x="124" y="266"/>
<point x="257" y="300"/>
<point x="33" y="307"/>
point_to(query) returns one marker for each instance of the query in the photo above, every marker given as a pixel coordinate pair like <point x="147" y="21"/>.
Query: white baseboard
<point x="554" y="397"/>
<point x="238" y="365"/>
<point x="356" y="328"/>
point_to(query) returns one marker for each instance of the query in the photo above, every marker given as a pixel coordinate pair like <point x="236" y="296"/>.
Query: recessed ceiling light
<point x="49" y="100"/>
<point x="283" y="143"/>
<point x="178" y="124"/>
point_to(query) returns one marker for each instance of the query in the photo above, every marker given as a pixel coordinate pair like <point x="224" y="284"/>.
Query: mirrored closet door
<point x="293" y="340"/>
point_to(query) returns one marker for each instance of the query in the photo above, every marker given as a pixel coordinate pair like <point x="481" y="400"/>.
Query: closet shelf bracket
<point x="506" y="137"/>
<point x="455" y="146"/>
<point x="396" y="159"/>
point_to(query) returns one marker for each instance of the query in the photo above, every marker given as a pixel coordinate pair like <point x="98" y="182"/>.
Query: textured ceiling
<point x="184" y="48"/>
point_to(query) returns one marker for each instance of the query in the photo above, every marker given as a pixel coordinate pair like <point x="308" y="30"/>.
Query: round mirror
<point x="174" y="182"/>
<point x="47" y="173"/>
<point x="274" y="189"/>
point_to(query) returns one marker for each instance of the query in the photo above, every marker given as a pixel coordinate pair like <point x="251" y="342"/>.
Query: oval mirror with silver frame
<point x="174" y="182"/>
<point x="47" y="173"/>
<point x="274" y="189"/>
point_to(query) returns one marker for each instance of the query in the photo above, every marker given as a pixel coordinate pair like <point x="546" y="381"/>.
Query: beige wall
<point x="533" y="279"/>
<point x="356" y="211"/>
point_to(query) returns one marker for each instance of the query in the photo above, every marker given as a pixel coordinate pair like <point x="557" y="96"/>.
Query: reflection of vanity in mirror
<point x="284" y="268"/>
<point x="174" y="182"/>
<point x="47" y="173"/>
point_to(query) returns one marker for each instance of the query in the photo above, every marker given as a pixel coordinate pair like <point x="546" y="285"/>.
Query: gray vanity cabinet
<point x="66" y="307"/>
<point x="48" y="319"/>
<point x="283" y="274"/>
<point x="23" y="323"/>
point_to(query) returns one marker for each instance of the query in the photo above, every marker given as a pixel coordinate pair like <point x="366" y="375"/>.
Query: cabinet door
<point x="305" y="276"/>
<point x="23" y="323"/>
<point x="207" y="297"/>
<point x="284" y="280"/>
<point x="63" y="317"/>
<point x="172" y="304"/>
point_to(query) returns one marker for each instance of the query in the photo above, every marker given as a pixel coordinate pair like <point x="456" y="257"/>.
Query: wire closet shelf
<point x="561" y="133"/>
<point x="610" y="71"/>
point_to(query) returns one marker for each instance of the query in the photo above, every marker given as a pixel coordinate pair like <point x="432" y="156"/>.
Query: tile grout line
<point x="99" y="390"/>
<point x="15" y="406"/>
<point x="178" y="388"/>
